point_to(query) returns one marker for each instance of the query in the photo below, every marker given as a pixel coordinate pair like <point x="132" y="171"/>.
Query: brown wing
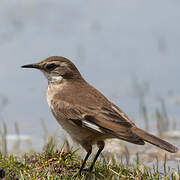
<point x="110" y="121"/>
<point x="107" y="120"/>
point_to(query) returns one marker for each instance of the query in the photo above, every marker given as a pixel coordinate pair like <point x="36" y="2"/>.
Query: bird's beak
<point x="36" y="66"/>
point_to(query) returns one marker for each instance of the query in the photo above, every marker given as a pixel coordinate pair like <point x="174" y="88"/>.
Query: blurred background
<point x="129" y="50"/>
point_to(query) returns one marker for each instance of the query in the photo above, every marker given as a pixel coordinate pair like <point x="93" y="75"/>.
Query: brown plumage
<point x="85" y="113"/>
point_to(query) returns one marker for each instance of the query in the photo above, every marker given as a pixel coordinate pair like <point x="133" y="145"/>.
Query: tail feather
<point x="154" y="140"/>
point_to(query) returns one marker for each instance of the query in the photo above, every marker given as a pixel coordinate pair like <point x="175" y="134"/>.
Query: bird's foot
<point x="89" y="169"/>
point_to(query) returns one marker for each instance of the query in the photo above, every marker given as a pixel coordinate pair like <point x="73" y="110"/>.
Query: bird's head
<point x="55" y="68"/>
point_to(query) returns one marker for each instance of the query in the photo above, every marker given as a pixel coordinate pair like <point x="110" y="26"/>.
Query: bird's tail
<point x="154" y="140"/>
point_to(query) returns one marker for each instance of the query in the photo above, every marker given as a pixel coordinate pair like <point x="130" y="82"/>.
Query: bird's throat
<point x="54" y="79"/>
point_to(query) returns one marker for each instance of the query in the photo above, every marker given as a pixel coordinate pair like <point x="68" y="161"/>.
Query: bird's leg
<point x="85" y="159"/>
<point x="101" y="147"/>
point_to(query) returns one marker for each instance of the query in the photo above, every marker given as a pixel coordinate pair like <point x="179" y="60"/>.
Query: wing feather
<point x="103" y="119"/>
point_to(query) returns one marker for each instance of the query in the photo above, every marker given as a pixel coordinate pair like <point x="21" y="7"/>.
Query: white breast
<point x="49" y="96"/>
<point x="52" y="90"/>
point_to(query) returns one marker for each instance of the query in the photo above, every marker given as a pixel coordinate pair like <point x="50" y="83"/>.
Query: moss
<point x="63" y="164"/>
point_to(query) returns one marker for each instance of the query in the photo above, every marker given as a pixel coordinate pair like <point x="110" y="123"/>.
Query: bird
<point x="85" y="113"/>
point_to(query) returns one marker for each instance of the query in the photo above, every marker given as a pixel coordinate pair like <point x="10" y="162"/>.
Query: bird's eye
<point x="51" y="67"/>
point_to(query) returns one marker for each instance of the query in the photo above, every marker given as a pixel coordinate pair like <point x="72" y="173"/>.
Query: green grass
<point x="55" y="164"/>
<point x="63" y="164"/>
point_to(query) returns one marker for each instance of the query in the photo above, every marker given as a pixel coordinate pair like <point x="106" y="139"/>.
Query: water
<point x="109" y="41"/>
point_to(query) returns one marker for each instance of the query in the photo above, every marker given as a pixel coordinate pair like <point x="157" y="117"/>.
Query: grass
<point x="55" y="164"/>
